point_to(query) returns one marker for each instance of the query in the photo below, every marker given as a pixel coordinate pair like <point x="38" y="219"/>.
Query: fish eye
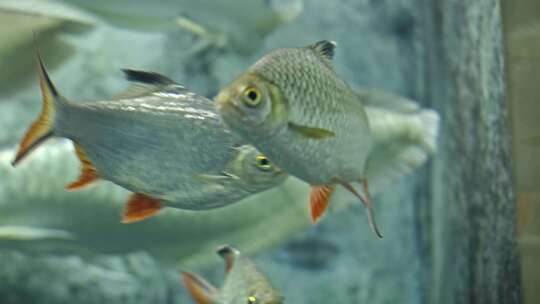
<point x="252" y="96"/>
<point x="252" y="300"/>
<point x="263" y="163"/>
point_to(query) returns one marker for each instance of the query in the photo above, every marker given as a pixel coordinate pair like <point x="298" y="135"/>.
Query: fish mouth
<point x="230" y="111"/>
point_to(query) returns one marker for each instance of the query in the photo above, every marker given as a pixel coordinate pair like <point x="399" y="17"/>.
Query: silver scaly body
<point x="336" y="108"/>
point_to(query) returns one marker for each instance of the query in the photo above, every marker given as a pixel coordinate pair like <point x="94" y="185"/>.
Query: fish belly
<point x="158" y="155"/>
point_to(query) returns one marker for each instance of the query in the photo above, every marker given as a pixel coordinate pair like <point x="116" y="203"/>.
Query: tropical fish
<point x="292" y="105"/>
<point x="33" y="196"/>
<point x="38" y="215"/>
<point x="149" y="140"/>
<point x="218" y="23"/>
<point x="18" y="20"/>
<point x="244" y="283"/>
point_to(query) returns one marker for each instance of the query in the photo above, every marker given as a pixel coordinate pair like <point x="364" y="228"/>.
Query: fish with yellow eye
<point x="158" y="140"/>
<point x="244" y="283"/>
<point x="294" y="108"/>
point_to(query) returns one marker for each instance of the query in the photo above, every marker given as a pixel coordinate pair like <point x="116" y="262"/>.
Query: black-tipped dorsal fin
<point x="146" y="83"/>
<point x="229" y="255"/>
<point x="325" y="48"/>
<point x="148" y="78"/>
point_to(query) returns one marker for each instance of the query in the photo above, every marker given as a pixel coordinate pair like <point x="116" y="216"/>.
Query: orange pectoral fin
<point x="140" y="207"/>
<point x="88" y="172"/>
<point x="319" y="197"/>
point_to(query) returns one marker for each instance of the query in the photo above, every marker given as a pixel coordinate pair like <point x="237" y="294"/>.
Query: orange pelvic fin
<point x="140" y="207"/>
<point x="366" y="200"/>
<point x="200" y="290"/>
<point x="319" y="196"/>
<point x="88" y="172"/>
<point x="42" y="128"/>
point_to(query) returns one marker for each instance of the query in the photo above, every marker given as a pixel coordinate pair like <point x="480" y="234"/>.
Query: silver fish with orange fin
<point x="159" y="140"/>
<point x="244" y="283"/>
<point x="293" y="107"/>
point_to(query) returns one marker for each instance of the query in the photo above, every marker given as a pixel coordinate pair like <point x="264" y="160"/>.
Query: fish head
<point x="252" y="106"/>
<point x="255" y="171"/>
<point x="244" y="282"/>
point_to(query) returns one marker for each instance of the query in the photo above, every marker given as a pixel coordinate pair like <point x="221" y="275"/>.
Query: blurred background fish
<point x="19" y="20"/>
<point x="241" y="25"/>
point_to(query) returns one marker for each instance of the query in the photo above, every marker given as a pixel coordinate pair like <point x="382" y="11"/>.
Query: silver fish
<point x="38" y="215"/>
<point x="244" y="283"/>
<point x="33" y="196"/>
<point x="159" y="140"/>
<point x="18" y="20"/>
<point x="293" y="106"/>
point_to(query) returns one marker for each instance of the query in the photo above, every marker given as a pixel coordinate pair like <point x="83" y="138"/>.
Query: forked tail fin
<point x="43" y="127"/>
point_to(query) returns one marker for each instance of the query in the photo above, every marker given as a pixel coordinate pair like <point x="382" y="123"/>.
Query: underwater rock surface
<point x="448" y="228"/>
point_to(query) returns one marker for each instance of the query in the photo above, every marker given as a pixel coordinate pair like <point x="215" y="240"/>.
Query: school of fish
<point x="289" y="113"/>
<point x="147" y="140"/>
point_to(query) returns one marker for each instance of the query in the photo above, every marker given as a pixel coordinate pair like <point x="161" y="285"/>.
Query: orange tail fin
<point x="319" y="197"/>
<point x="140" y="207"/>
<point x="42" y="128"/>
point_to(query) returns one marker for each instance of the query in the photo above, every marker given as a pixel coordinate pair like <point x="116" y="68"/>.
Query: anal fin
<point x="319" y="196"/>
<point x="88" y="172"/>
<point x="140" y="207"/>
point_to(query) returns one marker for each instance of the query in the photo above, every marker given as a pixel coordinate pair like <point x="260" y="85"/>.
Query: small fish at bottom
<point x="244" y="283"/>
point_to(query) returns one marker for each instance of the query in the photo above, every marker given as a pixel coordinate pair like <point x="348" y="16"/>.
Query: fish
<point x="33" y="197"/>
<point x="293" y="106"/>
<point x="18" y="20"/>
<point x="159" y="140"/>
<point x="38" y="216"/>
<point x="244" y="283"/>
<point x="219" y="24"/>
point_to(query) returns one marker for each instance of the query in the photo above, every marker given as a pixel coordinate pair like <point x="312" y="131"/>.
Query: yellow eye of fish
<point x="252" y="300"/>
<point x="252" y="96"/>
<point x="263" y="163"/>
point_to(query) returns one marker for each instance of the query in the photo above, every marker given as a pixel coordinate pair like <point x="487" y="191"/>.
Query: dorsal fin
<point x="148" y="78"/>
<point x="146" y="83"/>
<point x="325" y="49"/>
<point x="229" y="254"/>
